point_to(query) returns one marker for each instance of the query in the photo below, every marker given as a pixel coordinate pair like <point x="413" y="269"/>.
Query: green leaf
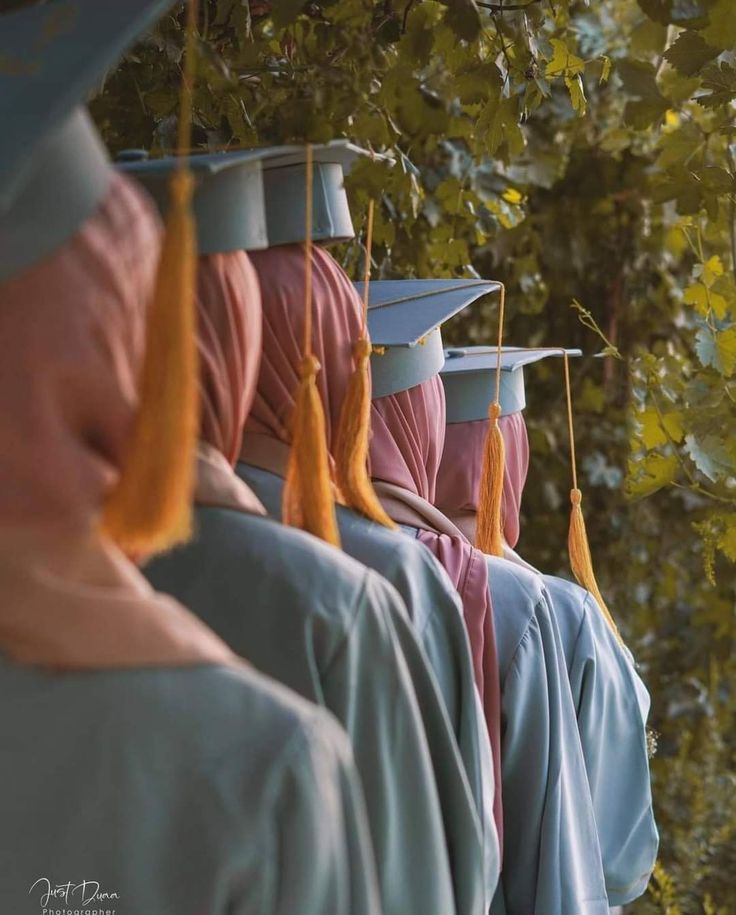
<point x="656" y="432"/>
<point x="717" y="349"/>
<point x="720" y="82"/>
<point x="721" y="29"/>
<point x="499" y="122"/>
<point x="463" y="18"/>
<point x="690" y="53"/>
<point x="577" y="93"/>
<point x="709" y="456"/>
<point x="563" y="62"/>
<point x="651" y="473"/>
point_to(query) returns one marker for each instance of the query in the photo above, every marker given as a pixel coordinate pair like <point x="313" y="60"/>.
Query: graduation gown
<point x="442" y="663"/>
<point x="188" y="790"/>
<point x="552" y="860"/>
<point x="323" y="624"/>
<point x="612" y="706"/>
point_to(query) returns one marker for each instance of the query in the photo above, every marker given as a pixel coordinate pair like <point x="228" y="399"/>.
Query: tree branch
<point x="506" y="8"/>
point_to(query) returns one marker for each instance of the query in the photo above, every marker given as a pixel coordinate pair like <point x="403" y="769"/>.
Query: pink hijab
<point x="229" y="342"/>
<point x="336" y="319"/>
<point x="408" y="432"/>
<point x="72" y="338"/>
<point x="458" y="480"/>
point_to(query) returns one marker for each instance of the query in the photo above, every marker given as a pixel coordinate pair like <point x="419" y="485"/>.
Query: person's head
<point x="72" y="333"/>
<point x="336" y="325"/>
<point x="407" y="437"/>
<point x="229" y="340"/>
<point x="458" y="480"/>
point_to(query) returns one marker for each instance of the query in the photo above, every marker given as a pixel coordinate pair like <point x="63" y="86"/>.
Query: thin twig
<point x="506" y="8"/>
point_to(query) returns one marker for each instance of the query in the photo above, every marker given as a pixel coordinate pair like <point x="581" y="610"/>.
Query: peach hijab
<point x="458" y="480"/>
<point x="407" y="436"/>
<point x="72" y="338"/>
<point x="336" y="325"/>
<point x="229" y="342"/>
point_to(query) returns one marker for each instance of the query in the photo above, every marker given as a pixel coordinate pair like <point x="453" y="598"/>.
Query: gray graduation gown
<point x="437" y="623"/>
<point x="190" y="790"/>
<point x="323" y="624"/>
<point x="552" y="859"/>
<point x="612" y="706"/>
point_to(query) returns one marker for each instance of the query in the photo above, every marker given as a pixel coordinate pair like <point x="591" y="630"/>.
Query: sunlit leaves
<point x="721" y="29"/>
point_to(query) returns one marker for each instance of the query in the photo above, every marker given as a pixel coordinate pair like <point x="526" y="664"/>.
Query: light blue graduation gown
<point x="190" y="790"/>
<point x="323" y="624"/>
<point x="437" y="622"/>
<point x="552" y="859"/>
<point x="612" y="706"/>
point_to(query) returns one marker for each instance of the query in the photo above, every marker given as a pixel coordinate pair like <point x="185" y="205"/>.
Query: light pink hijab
<point x="458" y="480"/>
<point x="71" y="345"/>
<point x="408" y="431"/>
<point x="229" y="342"/>
<point x="336" y="321"/>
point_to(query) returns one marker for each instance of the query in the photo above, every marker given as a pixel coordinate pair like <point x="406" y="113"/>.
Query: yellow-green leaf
<point x="563" y="62"/>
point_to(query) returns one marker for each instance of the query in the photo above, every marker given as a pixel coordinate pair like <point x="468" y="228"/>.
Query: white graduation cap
<point x="404" y="318"/>
<point x="469" y="377"/>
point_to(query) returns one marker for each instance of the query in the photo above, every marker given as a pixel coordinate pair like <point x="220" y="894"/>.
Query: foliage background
<point x="578" y="152"/>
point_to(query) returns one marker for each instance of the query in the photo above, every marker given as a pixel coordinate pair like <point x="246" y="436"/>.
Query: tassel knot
<point x="309" y="367"/>
<point x="362" y="349"/>
<point x="576" y="497"/>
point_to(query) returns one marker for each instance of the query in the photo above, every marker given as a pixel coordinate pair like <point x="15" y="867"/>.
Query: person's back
<point x="436" y="615"/>
<point x="189" y="790"/>
<point x="321" y="623"/>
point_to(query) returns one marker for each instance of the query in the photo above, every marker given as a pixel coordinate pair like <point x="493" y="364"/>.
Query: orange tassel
<point x="489" y="524"/>
<point x="353" y="430"/>
<point x="150" y="508"/>
<point x="581" y="561"/>
<point x="488" y="534"/>
<point x="308" y="501"/>
<point x="351" y="445"/>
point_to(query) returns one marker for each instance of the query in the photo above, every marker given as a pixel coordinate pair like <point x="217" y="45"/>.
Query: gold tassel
<point x="489" y="524"/>
<point x="150" y="508"/>
<point x="353" y="430"/>
<point x="488" y="534"/>
<point x="308" y="500"/>
<point x="581" y="561"/>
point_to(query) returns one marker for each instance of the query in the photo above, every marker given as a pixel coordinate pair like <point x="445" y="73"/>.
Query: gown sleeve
<point x="613" y="705"/>
<point x="368" y="687"/>
<point x="552" y="863"/>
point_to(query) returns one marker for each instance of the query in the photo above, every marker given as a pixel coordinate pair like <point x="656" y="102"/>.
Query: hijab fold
<point x="72" y="333"/>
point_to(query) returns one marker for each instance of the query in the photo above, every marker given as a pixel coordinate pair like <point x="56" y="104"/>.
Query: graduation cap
<point x="284" y="179"/>
<point x="228" y="203"/>
<point x="54" y="169"/>
<point x="468" y="376"/>
<point x="404" y="318"/>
